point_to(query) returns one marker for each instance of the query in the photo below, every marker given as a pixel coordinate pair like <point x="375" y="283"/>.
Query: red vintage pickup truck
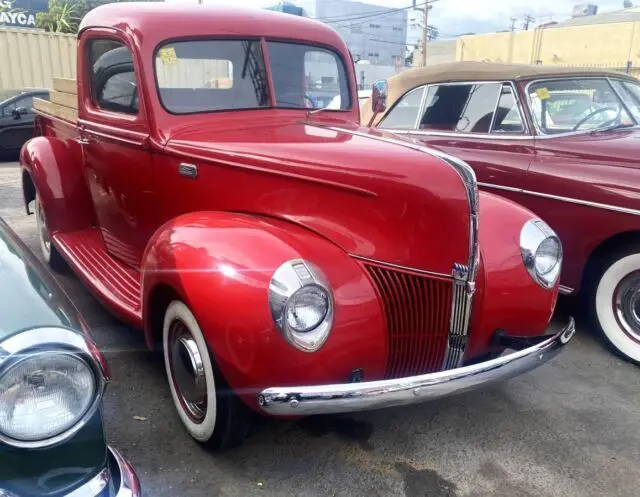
<point x="286" y="259"/>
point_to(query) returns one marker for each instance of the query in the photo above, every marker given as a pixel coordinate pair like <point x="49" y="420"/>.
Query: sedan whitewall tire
<point x="617" y="305"/>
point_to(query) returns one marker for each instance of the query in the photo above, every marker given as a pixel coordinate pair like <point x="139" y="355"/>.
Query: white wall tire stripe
<point x="604" y="307"/>
<point x="202" y="431"/>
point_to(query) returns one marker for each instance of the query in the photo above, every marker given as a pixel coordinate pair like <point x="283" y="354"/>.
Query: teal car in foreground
<point x="52" y="379"/>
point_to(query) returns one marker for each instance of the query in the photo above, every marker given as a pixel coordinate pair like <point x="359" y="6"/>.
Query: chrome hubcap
<point x="42" y="227"/>
<point x="187" y="371"/>
<point x="626" y="303"/>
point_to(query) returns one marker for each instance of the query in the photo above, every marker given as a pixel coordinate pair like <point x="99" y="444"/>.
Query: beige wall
<point x="598" y="45"/>
<point x="30" y="58"/>
<point x="438" y="52"/>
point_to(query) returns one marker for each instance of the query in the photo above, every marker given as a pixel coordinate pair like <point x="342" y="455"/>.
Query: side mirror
<point x="378" y="98"/>
<point x="19" y="111"/>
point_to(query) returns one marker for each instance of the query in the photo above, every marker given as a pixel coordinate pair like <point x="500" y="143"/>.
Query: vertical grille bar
<point x="417" y="311"/>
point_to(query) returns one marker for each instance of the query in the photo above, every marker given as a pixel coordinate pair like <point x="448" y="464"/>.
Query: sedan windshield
<point x="217" y="75"/>
<point x="565" y="105"/>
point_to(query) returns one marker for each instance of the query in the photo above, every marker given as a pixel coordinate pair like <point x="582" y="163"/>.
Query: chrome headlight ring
<point x="49" y="345"/>
<point x="301" y="304"/>
<point x="541" y="252"/>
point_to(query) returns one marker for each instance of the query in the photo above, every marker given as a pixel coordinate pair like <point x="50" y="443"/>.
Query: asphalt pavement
<point x="569" y="428"/>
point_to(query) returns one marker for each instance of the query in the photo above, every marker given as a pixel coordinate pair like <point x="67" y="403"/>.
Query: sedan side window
<point x="508" y="118"/>
<point x="465" y="108"/>
<point x="405" y="113"/>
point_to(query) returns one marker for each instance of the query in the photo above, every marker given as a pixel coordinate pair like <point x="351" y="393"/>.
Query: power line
<point x="379" y="13"/>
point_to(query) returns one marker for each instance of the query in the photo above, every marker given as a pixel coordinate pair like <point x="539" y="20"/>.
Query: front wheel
<point x="207" y="407"/>
<point x="615" y="303"/>
<point x="47" y="249"/>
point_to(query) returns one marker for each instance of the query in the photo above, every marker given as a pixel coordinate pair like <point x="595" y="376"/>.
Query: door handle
<point x="188" y="170"/>
<point x="82" y="141"/>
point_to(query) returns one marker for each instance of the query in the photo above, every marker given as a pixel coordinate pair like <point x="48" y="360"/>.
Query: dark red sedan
<point x="562" y="142"/>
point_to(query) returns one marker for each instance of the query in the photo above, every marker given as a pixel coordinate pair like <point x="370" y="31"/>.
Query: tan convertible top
<point x="478" y="71"/>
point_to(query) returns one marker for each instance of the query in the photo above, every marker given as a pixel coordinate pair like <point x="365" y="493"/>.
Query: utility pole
<point x="528" y="19"/>
<point x="425" y="27"/>
<point x="513" y="23"/>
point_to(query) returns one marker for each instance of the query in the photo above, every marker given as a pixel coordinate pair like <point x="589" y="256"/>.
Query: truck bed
<point x="63" y="101"/>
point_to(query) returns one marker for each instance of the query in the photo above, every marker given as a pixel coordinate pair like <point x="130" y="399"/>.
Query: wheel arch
<point x="599" y="254"/>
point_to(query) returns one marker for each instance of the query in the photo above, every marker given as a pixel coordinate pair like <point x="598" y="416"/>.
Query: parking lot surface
<point x="569" y="428"/>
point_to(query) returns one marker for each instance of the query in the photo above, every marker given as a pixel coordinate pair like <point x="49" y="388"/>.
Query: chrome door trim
<point x="452" y="134"/>
<point x="588" y="203"/>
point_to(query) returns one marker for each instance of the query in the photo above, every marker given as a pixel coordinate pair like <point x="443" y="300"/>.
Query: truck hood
<point x="358" y="187"/>
<point x="614" y="147"/>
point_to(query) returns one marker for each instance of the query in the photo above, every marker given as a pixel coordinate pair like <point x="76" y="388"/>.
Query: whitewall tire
<point x="616" y="304"/>
<point x="49" y="253"/>
<point x="209" y="411"/>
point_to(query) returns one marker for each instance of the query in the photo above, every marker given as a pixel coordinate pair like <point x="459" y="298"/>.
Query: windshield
<point x="217" y="75"/>
<point x="560" y="106"/>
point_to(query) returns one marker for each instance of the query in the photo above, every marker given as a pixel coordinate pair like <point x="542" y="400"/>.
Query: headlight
<point x="541" y="252"/>
<point x="301" y="304"/>
<point x="45" y="394"/>
<point x="51" y="383"/>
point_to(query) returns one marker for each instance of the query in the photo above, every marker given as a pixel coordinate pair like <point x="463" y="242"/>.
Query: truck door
<point x="114" y="133"/>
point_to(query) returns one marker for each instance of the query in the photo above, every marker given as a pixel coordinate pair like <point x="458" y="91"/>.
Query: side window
<point x="508" y="118"/>
<point x="465" y="108"/>
<point x="26" y="102"/>
<point x="405" y="113"/>
<point x="113" y="81"/>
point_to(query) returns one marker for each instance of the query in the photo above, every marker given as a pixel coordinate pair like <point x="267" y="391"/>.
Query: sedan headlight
<point x="301" y="304"/>
<point x="50" y="385"/>
<point x="541" y="252"/>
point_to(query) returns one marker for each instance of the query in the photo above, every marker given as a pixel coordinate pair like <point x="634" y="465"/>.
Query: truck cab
<point x="286" y="260"/>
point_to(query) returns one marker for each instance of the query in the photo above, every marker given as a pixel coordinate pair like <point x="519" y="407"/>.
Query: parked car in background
<point x="286" y="260"/>
<point x="16" y="119"/>
<point x="52" y="379"/>
<point x="564" y="143"/>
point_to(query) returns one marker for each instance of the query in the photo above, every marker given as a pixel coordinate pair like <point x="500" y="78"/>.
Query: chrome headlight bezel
<point x="19" y="347"/>
<point x="534" y="232"/>
<point x="292" y="277"/>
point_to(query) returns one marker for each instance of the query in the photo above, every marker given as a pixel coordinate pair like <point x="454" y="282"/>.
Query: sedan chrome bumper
<point x="350" y="397"/>
<point x="117" y="479"/>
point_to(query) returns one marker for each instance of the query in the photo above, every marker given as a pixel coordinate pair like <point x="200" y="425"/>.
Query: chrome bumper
<point x="117" y="475"/>
<point x="350" y="397"/>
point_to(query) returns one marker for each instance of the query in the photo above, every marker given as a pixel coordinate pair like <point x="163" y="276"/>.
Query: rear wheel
<point x="47" y="249"/>
<point x="615" y="302"/>
<point x="207" y="407"/>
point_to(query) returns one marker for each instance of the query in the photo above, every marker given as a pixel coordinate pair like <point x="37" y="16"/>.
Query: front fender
<point x="220" y="265"/>
<point x="54" y="167"/>
<point x="506" y="297"/>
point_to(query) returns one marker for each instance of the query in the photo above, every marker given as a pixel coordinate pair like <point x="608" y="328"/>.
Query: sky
<point x="453" y="17"/>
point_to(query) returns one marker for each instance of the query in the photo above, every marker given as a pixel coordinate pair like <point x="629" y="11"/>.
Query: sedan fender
<point x="221" y="265"/>
<point x="53" y="167"/>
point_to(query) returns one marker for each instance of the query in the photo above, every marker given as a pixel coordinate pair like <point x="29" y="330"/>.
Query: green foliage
<point x="64" y="16"/>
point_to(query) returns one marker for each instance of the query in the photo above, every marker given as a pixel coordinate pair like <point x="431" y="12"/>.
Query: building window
<point x="396" y="28"/>
<point x="356" y="28"/>
<point x="374" y="25"/>
<point x="374" y="54"/>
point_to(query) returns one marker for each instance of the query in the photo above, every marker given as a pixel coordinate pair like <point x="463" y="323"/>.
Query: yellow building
<point x="605" y="40"/>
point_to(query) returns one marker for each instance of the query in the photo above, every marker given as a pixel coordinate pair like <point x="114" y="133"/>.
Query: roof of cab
<point x="156" y="21"/>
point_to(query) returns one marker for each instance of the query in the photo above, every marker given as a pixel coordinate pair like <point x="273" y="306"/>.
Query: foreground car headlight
<point x="50" y="386"/>
<point x="301" y="304"/>
<point x="44" y="395"/>
<point x="541" y="252"/>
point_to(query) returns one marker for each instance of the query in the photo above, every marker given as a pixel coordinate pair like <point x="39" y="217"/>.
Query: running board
<point x="114" y="284"/>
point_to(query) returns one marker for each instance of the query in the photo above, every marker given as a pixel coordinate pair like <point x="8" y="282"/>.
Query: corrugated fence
<point x="31" y="59"/>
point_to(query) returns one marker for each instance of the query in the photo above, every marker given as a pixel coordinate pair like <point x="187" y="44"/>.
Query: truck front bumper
<point x="350" y="397"/>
